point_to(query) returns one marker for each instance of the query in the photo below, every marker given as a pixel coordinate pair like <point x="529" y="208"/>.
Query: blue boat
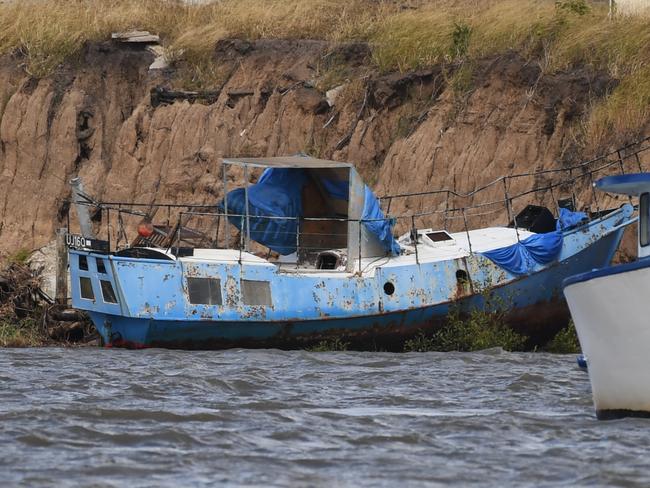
<point x="306" y="254"/>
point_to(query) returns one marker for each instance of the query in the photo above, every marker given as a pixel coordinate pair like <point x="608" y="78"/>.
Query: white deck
<point x="482" y="240"/>
<point x="225" y="256"/>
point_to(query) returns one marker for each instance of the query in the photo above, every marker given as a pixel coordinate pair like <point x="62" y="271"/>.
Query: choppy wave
<point x="97" y="417"/>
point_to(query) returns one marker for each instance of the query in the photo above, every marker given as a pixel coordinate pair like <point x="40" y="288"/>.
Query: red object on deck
<point x="145" y="228"/>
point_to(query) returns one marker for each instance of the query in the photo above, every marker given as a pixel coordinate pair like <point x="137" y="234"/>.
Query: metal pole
<point x="248" y="226"/>
<point x="78" y="198"/>
<point x="216" y="235"/>
<point x="414" y="233"/>
<point x="118" y="240"/>
<point x="444" y="224"/>
<point x="359" y="247"/>
<point x="178" y="232"/>
<point x="297" y="241"/>
<point x="241" y="238"/>
<point x="61" y="291"/>
<point x="469" y="241"/>
<point x="108" y="228"/>
<point x="509" y="209"/>
<point x="573" y="192"/>
<point x="622" y="166"/>
<point x="557" y="205"/>
<point x="593" y="192"/>
<point x="505" y="194"/>
<point x="226" y="236"/>
<point x="620" y="162"/>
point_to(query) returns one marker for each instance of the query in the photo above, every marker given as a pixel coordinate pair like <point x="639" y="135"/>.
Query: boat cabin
<point x="310" y="213"/>
<point x="634" y="185"/>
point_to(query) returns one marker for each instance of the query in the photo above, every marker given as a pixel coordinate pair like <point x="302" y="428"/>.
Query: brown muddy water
<point x="101" y="417"/>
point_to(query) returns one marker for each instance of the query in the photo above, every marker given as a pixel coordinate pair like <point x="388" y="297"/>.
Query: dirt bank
<point x="448" y="126"/>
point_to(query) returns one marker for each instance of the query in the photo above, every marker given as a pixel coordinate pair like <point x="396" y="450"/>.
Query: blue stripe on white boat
<point x="608" y="271"/>
<point x="628" y="184"/>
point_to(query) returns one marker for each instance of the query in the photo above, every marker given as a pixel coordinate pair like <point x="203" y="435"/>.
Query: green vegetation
<point x="484" y="330"/>
<point x="480" y="330"/>
<point x="421" y="343"/>
<point x="26" y="332"/>
<point x="329" y="345"/>
<point x="19" y="257"/>
<point x="460" y="39"/>
<point x="565" y="341"/>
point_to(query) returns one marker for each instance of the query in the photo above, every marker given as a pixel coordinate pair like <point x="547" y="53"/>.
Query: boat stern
<point x="95" y="289"/>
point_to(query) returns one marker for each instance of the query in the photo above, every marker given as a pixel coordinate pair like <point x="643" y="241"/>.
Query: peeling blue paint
<point x="154" y="307"/>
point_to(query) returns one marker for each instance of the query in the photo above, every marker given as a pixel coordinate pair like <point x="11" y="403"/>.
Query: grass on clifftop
<point x="403" y="35"/>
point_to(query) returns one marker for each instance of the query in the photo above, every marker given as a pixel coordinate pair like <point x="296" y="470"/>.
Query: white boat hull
<point x="611" y="312"/>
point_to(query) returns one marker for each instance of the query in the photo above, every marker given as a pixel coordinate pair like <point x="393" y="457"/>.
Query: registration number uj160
<point x="76" y="241"/>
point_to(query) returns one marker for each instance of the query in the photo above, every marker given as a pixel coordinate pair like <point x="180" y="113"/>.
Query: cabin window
<point x="204" y="291"/>
<point x="256" y="293"/>
<point x="83" y="263"/>
<point x="101" y="268"/>
<point x="107" y="291"/>
<point x="86" y="288"/>
<point x="644" y="228"/>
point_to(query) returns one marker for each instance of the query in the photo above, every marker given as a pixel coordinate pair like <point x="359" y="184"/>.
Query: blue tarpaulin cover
<point x="522" y="257"/>
<point x="278" y="193"/>
<point x="378" y="224"/>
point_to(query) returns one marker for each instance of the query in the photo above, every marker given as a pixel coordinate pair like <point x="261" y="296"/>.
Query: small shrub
<point x="21" y="333"/>
<point x="460" y="39"/>
<point x="578" y="7"/>
<point x="481" y="329"/>
<point x="565" y="341"/>
<point x="462" y="81"/>
<point x="19" y="257"/>
<point x="329" y="345"/>
<point x="420" y="343"/>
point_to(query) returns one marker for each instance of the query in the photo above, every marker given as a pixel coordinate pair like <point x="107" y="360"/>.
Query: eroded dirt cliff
<point x="405" y="132"/>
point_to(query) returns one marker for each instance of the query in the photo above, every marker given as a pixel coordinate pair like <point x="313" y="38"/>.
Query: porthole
<point x="389" y="288"/>
<point x="461" y="276"/>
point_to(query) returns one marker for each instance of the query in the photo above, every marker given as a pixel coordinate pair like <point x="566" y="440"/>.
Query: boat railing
<point x="627" y="156"/>
<point x="499" y="202"/>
